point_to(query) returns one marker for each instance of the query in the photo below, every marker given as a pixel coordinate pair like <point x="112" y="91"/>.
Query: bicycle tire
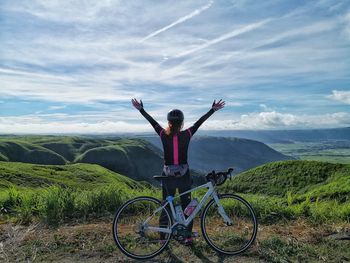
<point x="240" y="223"/>
<point x="124" y="226"/>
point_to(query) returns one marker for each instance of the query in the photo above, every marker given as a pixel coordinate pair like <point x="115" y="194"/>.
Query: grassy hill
<point x="84" y="176"/>
<point x="68" y="147"/>
<point x="311" y="179"/>
<point x="317" y="191"/>
<point x="20" y="151"/>
<point x="60" y="193"/>
<point x="282" y="190"/>
<point x="134" y="158"/>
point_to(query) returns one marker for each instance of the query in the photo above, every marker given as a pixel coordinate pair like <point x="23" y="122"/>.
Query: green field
<point x="335" y="152"/>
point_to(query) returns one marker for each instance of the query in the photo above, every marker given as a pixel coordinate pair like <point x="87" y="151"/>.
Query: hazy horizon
<point x="152" y="133"/>
<point x="72" y="67"/>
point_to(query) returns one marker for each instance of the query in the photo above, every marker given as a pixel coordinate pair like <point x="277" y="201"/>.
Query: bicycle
<point x="228" y="222"/>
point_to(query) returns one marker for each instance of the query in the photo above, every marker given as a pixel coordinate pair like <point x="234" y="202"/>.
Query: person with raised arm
<point x="175" y="147"/>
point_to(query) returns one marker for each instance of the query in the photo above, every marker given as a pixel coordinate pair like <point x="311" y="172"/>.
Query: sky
<point x="70" y="66"/>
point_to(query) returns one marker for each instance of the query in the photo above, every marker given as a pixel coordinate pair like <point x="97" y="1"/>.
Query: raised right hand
<point x="136" y="104"/>
<point x="218" y="105"/>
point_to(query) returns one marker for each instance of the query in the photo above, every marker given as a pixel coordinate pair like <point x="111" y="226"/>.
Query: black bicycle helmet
<point x="175" y="115"/>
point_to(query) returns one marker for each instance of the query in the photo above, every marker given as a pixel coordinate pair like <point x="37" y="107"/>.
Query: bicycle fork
<point x="221" y="210"/>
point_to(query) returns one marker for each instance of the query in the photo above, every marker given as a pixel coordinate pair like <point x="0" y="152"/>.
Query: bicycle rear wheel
<point x="132" y="235"/>
<point x="229" y="239"/>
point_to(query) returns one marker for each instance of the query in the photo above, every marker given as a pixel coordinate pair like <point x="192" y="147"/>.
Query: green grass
<point x="56" y="194"/>
<point x="122" y="155"/>
<point x="286" y="190"/>
<point x="296" y="189"/>
<point x="327" y="158"/>
<point x="298" y="177"/>
<point x="272" y="209"/>
<point x="86" y="176"/>
<point x="55" y="204"/>
<point x="68" y="148"/>
<point x="16" y="150"/>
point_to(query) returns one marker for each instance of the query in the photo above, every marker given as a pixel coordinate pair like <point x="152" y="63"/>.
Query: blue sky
<point x="73" y="66"/>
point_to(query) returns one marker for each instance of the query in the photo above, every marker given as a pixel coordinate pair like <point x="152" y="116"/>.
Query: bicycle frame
<point x="169" y="200"/>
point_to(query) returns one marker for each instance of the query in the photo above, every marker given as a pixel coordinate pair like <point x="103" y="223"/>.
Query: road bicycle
<point x="228" y="222"/>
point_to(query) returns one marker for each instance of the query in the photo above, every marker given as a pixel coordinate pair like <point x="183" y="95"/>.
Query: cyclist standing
<point x="175" y="147"/>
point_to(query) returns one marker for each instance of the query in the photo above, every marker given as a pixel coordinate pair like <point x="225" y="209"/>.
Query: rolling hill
<point x="133" y="158"/>
<point x="20" y="151"/>
<point x="304" y="178"/>
<point x="83" y="176"/>
<point x="136" y="158"/>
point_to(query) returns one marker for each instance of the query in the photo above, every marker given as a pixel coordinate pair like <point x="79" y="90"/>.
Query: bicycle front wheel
<point x="137" y="227"/>
<point x="234" y="238"/>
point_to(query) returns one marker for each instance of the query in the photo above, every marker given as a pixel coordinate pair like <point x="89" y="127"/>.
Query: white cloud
<point x="72" y="11"/>
<point x="53" y="87"/>
<point x="277" y="120"/>
<point x="102" y="57"/>
<point x="88" y="52"/>
<point x="341" y="96"/>
<point x="179" y="21"/>
<point x="61" y="127"/>
<point x="225" y="36"/>
<point x="57" y="107"/>
<point x="63" y="123"/>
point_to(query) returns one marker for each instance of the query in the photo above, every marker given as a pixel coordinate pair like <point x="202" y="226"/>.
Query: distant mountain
<point x="216" y="153"/>
<point x="285" y="136"/>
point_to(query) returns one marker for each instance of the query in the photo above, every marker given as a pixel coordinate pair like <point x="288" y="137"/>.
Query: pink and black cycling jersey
<point x="175" y="146"/>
